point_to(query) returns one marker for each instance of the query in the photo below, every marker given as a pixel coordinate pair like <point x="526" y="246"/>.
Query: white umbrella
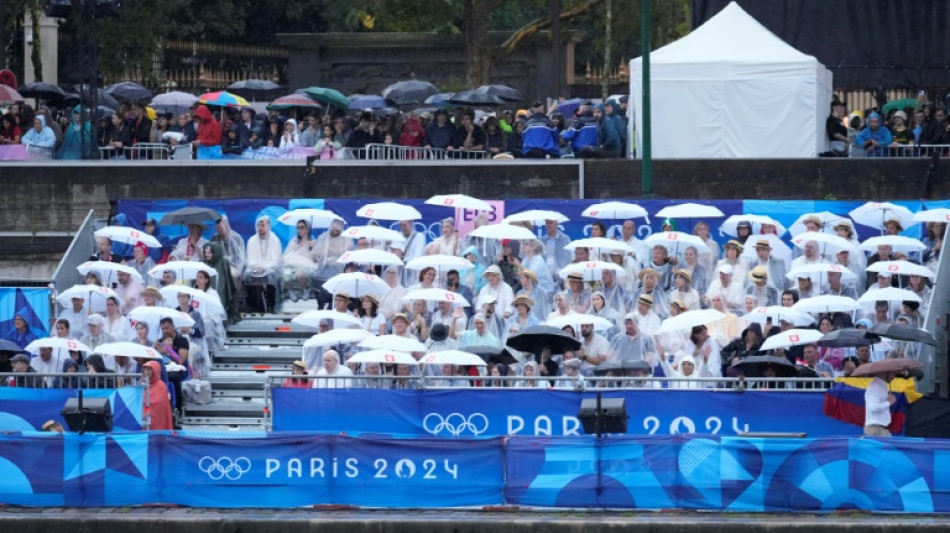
<point x="370" y="256"/>
<point x="575" y="320"/>
<point x="827" y="219"/>
<point x="56" y="342"/>
<point x="592" y="270"/>
<point x="536" y="217"/>
<point x="153" y="315"/>
<point x="184" y="270"/>
<point x="729" y="226"/>
<point x="933" y="215"/>
<point x="436" y="295"/>
<point x="374" y="233"/>
<point x="459" y="201"/>
<point x="85" y="292"/>
<point x="128" y="236"/>
<point x="616" y="211"/>
<point x="791" y="337"/>
<point x="600" y="244"/>
<point x="127" y="349"/>
<point x="689" y="210"/>
<point x="337" y="336"/>
<point x="357" y="284"/>
<point x="780" y="250"/>
<point x="107" y="270"/>
<point x="313" y="318"/>
<point x="453" y="357"/>
<point x="889" y="294"/>
<point x="389" y="211"/>
<point x="824" y="241"/>
<point x="827" y="303"/>
<point x="392" y="342"/>
<point x="689" y="319"/>
<point x="316" y="218"/>
<point x="503" y="231"/>
<point x="805" y="271"/>
<point x="898" y="243"/>
<point x="778" y="313"/>
<point x="386" y="357"/>
<point x="439" y="262"/>
<point x="905" y="268"/>
<point x="675" y="240"/>
<point x="875" y="214"/>
<point x="204" y="302"/>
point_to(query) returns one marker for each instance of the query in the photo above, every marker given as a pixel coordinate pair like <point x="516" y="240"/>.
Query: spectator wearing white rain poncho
<point x="263" y="266"/>
<point x="686" y="368"/>
<point x="631" y="344"/>
<point x="332" y="369"/>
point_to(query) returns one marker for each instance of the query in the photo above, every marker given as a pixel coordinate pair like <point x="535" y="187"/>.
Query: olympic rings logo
<point x="455" y="424"/>
<point x="224" y="467"/>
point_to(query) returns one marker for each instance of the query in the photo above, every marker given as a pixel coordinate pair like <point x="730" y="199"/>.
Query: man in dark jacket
<point x="245" y="128"/>
<point x="141" y="126"/>
<point x="440" y="132"/>
<point x="583" y="132"/>
<point x="365" y="134"/>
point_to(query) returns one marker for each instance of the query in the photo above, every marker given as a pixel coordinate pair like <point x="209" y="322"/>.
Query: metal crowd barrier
<point x="906" y="150"/>
<point x="68" y="380"/>
<point x="38" y="153"/>
<point x="149" y="151"/>
<point x="388" y="152"/>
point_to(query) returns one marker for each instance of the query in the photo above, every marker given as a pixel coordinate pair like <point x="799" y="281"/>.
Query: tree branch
<point x="532" y="28"/>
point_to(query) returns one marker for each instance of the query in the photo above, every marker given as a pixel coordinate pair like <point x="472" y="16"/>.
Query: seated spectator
<point x="190" y="248"/>
<point x="298" y="263"/>
<point x="333" y="372"/>
<point x="21" y="365"/>
<point x="478" y="336"/>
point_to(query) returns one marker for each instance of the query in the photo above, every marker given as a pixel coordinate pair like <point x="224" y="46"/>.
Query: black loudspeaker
<point x="612" y="415"/>
<point x="88" y="414"/>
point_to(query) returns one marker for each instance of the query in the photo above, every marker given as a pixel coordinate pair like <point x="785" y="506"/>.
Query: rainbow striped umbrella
<point x="222" y="99"/>
<point x="294" y="100"/>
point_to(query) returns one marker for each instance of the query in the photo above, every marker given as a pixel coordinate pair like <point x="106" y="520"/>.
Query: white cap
<point x="726" y="269"/>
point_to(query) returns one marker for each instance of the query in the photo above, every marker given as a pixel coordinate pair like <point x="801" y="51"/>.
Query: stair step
<point x="218" y="422"/>
<point x="246" y="394"/>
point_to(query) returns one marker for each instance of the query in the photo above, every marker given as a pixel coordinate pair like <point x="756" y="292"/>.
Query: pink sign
<point x="12" y="152"/>
<point x="465" y="218"/>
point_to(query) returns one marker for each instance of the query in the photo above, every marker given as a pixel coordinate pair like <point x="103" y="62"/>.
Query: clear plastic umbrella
<point x="369" y="256"/>
<point x="316" y="218"/>
<point x="374" y="233"/>
<point x="729" y="226"/>
<point x="108" y="271"/>
<point x="459" y="201"/>
<point x="889" y="294"/>
<point x="392" y="342"/>
<point x="337" y="336"/>
<point x="388" y="211"/>
<point x="56" y="343"/>
<point x="600" y="245"/>
<point x="204" y="302"/>
<point x="536" y="217"/>
<point x="933" y="215"/>
<point x="127" y="349"/>
<point x="357" y="284"/>
<point x="453" y="357"/>
<point x="875" y="214"/>
<point x="827" y="219"/>
<point x="675" y="241"/>
<point x="184" y="270"/>
<point x="791" y="337"/>
<point x="689" y="319"/>
<point x="385" y="357"/>
<point x="901" y="268"/>
<point x="827" y="303"/>
<point x="616" y="211"/>
<point x="592" y="270"/>
<point x="128" y="235"/>
<point x="436" y="295"/>
<point x="313" y="318"/>
<point x="898" y="243"/>
<point x="778" y="313"/>
<point x="503" y="231"/>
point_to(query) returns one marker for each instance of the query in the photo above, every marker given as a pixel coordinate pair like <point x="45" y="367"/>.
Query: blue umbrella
<point x="568" y="107"/>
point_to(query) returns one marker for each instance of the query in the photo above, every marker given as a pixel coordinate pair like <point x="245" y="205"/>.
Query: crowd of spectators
<point x="909" y="132"/>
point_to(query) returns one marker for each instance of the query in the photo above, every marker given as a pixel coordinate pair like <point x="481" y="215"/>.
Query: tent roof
<point x="732" y="36"/>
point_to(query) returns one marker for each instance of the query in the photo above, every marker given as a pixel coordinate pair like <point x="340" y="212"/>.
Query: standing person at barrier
<point x="877" y="405"/>
<point x="440" y="132"/>
<point x="141" y="125"/>
<point x="190" y="247"/>
<point x="875" y="137"/>
<point x="209" y="130"/>
<point x="263" y="264"/>
<point x="156" y="402"/>
<point x="540" y="135"/>
<point x="327" y="147"/>
<point x="174" y="348"/>
<point x="78" y="140"/>
<point x="469" y="136"/>
<point x="365" y="133"/>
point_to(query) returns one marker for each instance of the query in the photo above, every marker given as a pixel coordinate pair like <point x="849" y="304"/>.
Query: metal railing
<point x="386" y="152"/>
<point x="38" y="153"/>
<point x="78" y="252"/>
<point x="148" y="151"/>
<point x="78" y="380"/>
<point x="904" y="150"/>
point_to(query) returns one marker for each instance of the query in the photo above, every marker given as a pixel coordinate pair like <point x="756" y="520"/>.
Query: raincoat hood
<point x="156" y="371"/>
<point x="203" y="114"/>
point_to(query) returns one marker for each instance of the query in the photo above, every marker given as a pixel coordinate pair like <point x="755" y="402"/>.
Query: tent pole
<point x="646" y="169"/>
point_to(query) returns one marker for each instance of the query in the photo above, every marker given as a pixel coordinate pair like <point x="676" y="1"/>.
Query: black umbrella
<point x="845" y="337"/>
<point x="784" y="368"/>
<point x="129" y="91"/>
<point x="439" y="98"/>
<point x="253" y="89"/>
<point x="43" y="91"/>
<point x="189" y="215"/>
<point x="9" y="346"/>
<point x="903" y="332"/>
<point x="102" y="97"/>
<point x="409" y="92"/>
<point x="506" y="93"/>
<point x="476" y="98"/>
<point x="604" y="368"/>
<point x="536" y="338"/>
<point x="492" y="354"/>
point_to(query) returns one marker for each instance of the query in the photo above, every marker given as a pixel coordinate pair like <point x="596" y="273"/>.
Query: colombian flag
<point x="845" y="401"/>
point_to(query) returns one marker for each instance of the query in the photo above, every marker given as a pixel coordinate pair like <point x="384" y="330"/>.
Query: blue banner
<point x="705" y="472"/>
<point x="23" y="409"/>
<point x="30" y="303"/>
<point x="733" y="474"/>
<point x="493" y="413"/>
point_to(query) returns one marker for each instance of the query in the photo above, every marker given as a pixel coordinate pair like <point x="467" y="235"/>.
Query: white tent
<point x="732" y="89"/>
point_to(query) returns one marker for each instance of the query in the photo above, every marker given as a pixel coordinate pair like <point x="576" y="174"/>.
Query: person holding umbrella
<point x="190" y="247"/>
<point x="877" y="405"/>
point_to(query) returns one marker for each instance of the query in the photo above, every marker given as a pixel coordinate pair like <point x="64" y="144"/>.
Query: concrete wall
<point x="56" y="197"/>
